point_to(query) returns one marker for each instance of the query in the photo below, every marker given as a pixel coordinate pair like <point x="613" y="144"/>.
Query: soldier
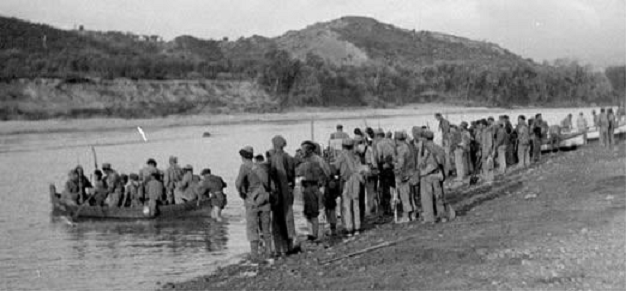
<point x="155" y="192"/>
<point x="282" y="175"/>
<point x="611" y="125"/>
<point x="253" y="185"/>
<point x="487" y="150"/>
<point x="71" y="192"/>
<point x="133" y="191"/>
<point x="404" y="168"/>
<point x="83" y="184"/>
<point x="114" y="185"/>
<point x="462" y="153"/>
<point x="212" y="187"/>
<point x="502" y="139"/>
<point x="315" y="173"/>
<point x="148" y="170"/>
<point x="99" y="188"/>
<point x="555" y="137"/>
<point x="385" y="154"/>
<point x="566" y="123"/>
<point x="173" y="176"/>
<point x="523" y="142"/>
<point x="432" y="177"/>
<point x="371" y="181"/>
<point x="339" y="134"/>
<point x="351" y="172"/>
<point x="185" y="186"/>
<point x="444" y="126"/>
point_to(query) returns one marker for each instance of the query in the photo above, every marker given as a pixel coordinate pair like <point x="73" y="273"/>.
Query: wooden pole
<point x="312" y="129"/>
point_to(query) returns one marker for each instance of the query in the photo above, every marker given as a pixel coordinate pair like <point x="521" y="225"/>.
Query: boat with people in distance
<point x="574" y="138"/>
<point x="77" y="212"/>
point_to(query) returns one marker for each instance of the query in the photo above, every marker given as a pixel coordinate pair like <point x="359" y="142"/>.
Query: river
<point x="40" y="252"/>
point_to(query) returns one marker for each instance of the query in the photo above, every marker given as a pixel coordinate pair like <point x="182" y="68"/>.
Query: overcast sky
<point x="592" y="31"/>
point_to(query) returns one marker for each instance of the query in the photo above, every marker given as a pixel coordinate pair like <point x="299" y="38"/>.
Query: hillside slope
<point x="359" y="40"/>
<point x="350" y="61"/>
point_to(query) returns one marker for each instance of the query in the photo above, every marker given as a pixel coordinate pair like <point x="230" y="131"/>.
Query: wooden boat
<point x="62" y="208"/>
<point x="575" y="138"/>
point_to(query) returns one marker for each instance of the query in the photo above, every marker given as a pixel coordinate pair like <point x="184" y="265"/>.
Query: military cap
<point x="106" y="166"/>
<point x="205" y="172"/>
<point x="247" y="152"/>
<point x="379" y="131"/>
<point x="308" y="143"/>
<point x="134" y="177"/>
<point x="151" y="161"/>
<point x="188" y="167"/>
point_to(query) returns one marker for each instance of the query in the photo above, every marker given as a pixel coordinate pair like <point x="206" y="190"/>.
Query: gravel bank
<point x="556" y="225"/>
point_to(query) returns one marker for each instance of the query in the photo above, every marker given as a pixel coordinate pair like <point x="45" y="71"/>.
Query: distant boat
<point x="575" y="138"/>
<point x="206" y="134"/>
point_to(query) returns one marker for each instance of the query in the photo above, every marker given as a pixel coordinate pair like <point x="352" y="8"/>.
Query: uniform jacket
<point x="405" y="161"/>
<point x="581" y="123"/>
<point x="173" y="175"/>
<point x="253" y="185"/>
<point x="523" y="135"/>
<point x="155" y="190"/>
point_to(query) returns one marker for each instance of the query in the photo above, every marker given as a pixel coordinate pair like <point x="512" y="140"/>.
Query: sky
<point x="590" y="31"/>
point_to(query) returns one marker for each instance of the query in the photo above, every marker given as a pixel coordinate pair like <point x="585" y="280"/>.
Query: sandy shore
<point x="556" y="225"/>
<point x="102" y="124"/>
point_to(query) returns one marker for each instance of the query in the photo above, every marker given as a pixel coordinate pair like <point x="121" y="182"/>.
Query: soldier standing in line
<point x="253" y="185"/>
<point x="282" y="175"/>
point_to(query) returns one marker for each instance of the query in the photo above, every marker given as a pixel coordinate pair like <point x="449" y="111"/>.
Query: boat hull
<point x="61" y="208"/>
<point x="574" y="139"/>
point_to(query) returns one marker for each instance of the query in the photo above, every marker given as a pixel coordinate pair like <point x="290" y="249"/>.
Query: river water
<point x="41" y="252"/>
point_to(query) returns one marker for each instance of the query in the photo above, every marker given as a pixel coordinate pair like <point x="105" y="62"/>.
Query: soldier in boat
<point x="155" y="192"/>
<point x="71" y="193"/>
<point x="173" y="176"/>
<point x="100" y="189"/>
<point x="113" y="184"/>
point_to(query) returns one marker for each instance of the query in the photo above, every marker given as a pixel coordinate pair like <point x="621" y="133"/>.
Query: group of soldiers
<point x="376" y="173"/>
<point x="371" y="174"/>
<point x="352" y="175"/>
<point x="151" y="187"/>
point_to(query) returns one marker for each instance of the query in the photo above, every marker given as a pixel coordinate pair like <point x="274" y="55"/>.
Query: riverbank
<point x="558" y="224"/>
<point x="296" y="115"/>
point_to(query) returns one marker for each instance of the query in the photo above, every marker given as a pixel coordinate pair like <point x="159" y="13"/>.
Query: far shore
<point x="295" y="115"/>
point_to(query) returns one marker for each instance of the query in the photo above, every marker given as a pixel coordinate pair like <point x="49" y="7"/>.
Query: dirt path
<point x="557" y="225"/>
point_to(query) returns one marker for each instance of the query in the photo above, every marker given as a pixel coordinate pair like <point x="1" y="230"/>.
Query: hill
<point x="360" y="40"/>
<point x="347" y="61"/>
